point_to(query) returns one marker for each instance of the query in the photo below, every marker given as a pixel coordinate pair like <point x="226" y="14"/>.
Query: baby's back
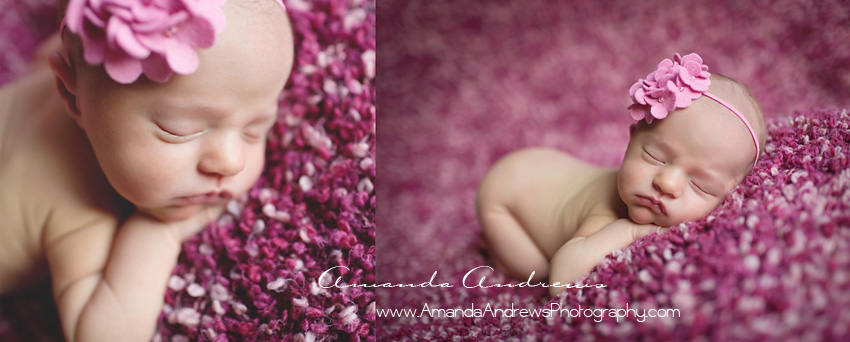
<point x="49" y="178"/>
<point x="549" y="192"/>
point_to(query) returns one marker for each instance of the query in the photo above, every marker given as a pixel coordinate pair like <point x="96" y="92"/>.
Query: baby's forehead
<point x="708" y="135"/>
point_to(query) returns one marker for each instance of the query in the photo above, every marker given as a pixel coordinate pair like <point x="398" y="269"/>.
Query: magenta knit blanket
<point x="312" y="209"/>
<point x="465" y="82"/>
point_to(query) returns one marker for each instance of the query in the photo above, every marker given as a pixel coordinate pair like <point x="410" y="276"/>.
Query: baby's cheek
<point x="701" y="208"/>
<point x="254" y="164"/>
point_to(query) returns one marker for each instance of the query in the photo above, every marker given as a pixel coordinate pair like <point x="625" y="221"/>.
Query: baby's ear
<point x="66" y="82"/>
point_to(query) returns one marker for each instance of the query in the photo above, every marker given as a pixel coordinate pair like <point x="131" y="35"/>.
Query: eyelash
<point x="177" y="137"/>
<point x="264" y="131"/>
<point x="172" y="137"/>
<point x="653" y="157"/>
<point x="700" y="189"/>
<point x="253" y="137"/>
<point x="692" y="183"/>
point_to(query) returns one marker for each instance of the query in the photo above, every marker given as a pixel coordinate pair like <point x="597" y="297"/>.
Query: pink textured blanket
<point x="467" y="82"/>
<point x="312" y="209"/>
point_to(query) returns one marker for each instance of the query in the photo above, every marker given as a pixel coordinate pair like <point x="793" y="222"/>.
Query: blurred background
<point x="465" y="82"/>
<point x="312" y="208"/>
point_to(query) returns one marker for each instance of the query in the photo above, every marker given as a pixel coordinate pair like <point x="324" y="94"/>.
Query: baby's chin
<point x="644" y="216"/>
<point x="172" y="213"/>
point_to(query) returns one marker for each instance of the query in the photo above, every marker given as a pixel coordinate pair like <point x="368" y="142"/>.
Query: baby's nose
<point x="223" y="155"/>
<point x="669" y="181"/>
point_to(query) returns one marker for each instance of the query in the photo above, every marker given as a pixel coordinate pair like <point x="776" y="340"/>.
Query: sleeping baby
<point x="151" y="116"/>
<point x="545" y="214"/>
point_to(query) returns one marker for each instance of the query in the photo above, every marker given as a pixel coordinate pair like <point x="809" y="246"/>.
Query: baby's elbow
<point x="554" y="291"/>
<point x="103" y="318"/>
<point x="93" y="328"/>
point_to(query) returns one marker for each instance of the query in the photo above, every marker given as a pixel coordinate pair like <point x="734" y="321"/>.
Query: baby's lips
<point x="653" y="204"/>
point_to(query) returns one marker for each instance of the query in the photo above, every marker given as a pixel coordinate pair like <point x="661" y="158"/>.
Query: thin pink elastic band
<point x="740" y="116"/>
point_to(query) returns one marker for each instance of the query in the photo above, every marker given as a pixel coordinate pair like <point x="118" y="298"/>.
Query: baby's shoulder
<point x="544" y="156"/>
<point x="49" y="175"/>
<point x="600" y="198"/>
<point x="73" y="185"/>
<point x="545" y="163"/>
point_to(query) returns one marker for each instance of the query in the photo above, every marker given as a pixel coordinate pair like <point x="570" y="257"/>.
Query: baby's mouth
<point x="209" y="197"/>
<point x="654" y="205"/>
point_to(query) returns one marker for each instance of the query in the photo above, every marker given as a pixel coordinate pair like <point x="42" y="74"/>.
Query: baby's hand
<point x="185" y="229"/>
<point x="640" y="230"/>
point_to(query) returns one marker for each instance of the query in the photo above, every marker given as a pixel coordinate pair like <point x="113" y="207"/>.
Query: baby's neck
<point x="606" y="184"/>
<point x="601" y="192"/>
<point x="617" y="203"/>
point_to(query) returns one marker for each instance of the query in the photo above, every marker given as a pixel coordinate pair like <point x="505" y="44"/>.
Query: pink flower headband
<point x="154" y="37"/>
<point x="673" y="86"/>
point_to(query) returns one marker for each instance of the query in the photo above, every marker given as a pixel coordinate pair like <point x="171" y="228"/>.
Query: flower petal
<point x="113" y="26"/>
<point x="677" y="57"/>
<point x="640" y="96"/>
<point x="217" y="19"/>
<point x="74" y="15"/>
<point x="182" y="59"/>
<point x="94" y="46"/>
<point x="667" y="77"/>
<point x="692" y="57"/>
<point x="94" y="18"/>
<point x="692" y="68"/>
<point x="638" y="112"/>
<point x="682" y="101"/>
<point x="658" y="93"/>
<point x="126" y="39"/>
<point x="700" y="85"/>
<point x="197" y="33"/>
<point x="669" y="104"/>
<point x="634" y="88"/>
<point x="212" y="15"/>
<point x="157" y="37"/>
<point x="119" y="11"/>
<point x="157" y="42"/>
<point x="160" y="22"/>
<point x="122" y="68"/>
<point x="156" y="68"/>
<point x="659" y="111"/>
<point x="148" y="19"/>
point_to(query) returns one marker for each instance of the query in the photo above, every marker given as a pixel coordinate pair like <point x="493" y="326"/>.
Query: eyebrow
<point x="198" y="110"/>
<point x="709" y="175"/>
<point x="667" y="147"/>
<point x="189" y="108"/>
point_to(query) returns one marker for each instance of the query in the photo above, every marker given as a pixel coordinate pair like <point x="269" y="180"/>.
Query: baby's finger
<point x="639" y="231"/>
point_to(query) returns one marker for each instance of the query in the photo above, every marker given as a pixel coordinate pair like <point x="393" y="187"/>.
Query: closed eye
<point x="173" y="136"/>
<point x="254" y="136"/>
<point x="700" y="189"/>
<point x="256" y="132"/>
<point x="653" y="157"/>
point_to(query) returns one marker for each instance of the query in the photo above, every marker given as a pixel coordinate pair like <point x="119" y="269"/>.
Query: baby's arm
<point x="115" y="293"/>
<point x="581" y="254"/>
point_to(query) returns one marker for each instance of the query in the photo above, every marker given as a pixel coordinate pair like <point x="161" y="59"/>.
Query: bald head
<point x="718" y="128"/>
<point x="739" y="96"/>
<point x="265" y="14"/>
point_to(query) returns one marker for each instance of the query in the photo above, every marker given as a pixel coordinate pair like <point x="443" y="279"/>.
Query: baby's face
<point x="681" y="168"/>
<point x="197" y="140"/>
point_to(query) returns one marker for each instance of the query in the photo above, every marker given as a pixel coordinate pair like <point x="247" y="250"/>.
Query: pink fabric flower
<point x="154" y="37"/>
<point x="673" y="85"/>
